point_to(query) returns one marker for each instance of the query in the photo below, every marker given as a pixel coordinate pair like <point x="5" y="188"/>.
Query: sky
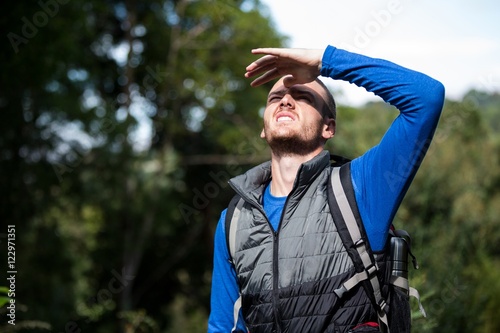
<point x="456" y="42"/>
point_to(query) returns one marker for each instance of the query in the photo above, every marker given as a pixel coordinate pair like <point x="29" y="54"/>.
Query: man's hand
<point x="298" y="66"/>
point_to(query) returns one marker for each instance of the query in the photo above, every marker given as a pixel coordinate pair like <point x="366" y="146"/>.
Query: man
<point x="288" y="255"/>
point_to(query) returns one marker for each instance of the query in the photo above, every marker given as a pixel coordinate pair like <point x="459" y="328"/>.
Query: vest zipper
<point x="276" y="307"/>
<point x="276" y="310"/>
<point x="275" y="300"/>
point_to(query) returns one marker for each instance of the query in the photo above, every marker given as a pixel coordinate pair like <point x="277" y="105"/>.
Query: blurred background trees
<point x="451" y="210"/>
<point x="111" y="111"/>
<point x="123" y="120"/>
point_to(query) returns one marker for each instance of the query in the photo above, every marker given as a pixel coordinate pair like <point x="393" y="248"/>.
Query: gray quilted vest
<point x="287" y="278"/>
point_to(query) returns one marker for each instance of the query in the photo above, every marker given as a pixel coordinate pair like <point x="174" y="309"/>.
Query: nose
<point x="287" y="101"/>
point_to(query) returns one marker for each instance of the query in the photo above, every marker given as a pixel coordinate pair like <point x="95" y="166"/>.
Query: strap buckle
<point x="371" y="270"/>
<point x="383" y="306"/>
<point x="359" y="242"/>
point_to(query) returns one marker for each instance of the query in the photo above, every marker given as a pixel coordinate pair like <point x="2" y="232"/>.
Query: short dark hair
<point x="330" y="109"/>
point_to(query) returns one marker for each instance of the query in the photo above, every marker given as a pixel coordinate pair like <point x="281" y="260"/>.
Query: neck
<point x="284" y="170"/>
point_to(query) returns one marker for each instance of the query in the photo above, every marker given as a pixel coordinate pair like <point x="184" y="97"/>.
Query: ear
<point x="262" y="134"/>
<point x="329" y="128"/>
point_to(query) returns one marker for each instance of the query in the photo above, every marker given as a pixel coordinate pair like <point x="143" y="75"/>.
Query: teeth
<point x="284" y="118"/>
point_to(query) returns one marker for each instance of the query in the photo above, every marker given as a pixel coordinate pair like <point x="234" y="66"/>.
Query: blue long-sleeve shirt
<point x="381" y="176"/>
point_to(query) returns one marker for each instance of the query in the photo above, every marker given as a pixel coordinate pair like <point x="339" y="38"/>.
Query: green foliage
<point x="4" y="299"/>
<point x="106" y="106"/>
<point x="452" y="210"/>
<point x="138" y="321"/>
<point x="357" y="130"/>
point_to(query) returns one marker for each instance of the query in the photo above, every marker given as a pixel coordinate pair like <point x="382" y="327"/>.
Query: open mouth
<point x="284" y="117"/>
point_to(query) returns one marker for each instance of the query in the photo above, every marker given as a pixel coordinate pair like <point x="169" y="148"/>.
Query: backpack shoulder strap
<point x="231" y="223"/>
<point x="346" y="216"/>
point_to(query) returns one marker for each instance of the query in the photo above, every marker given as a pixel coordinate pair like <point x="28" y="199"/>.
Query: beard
<point x="286" y="142"/>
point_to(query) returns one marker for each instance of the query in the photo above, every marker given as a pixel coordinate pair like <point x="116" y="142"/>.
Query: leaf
<point x="4" y="300"/>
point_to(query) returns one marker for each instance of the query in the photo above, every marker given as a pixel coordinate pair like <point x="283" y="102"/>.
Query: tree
<point x="112" y="106"/>
<point x="452" y="209"/>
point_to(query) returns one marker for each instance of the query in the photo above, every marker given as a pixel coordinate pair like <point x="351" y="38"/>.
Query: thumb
<point x="289" y="80"/>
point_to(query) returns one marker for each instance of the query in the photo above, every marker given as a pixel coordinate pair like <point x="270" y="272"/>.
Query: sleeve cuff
<point x="326" y="61"/>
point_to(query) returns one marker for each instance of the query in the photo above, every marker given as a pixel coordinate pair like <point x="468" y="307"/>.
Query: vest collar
<point x="251" y="184"/>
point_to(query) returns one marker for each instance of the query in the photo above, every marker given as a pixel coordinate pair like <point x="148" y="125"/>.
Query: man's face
<point x="293" y="121"/>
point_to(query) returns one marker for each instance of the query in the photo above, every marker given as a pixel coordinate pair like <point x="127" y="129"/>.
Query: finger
<point x="269" y="50"/>
<point x="266" y="77"/>
<point x="260" y="70"/>
<point x="263" y="61"/>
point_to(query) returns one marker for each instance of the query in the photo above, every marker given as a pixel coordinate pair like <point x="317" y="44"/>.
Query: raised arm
<point x="383" y="174"/>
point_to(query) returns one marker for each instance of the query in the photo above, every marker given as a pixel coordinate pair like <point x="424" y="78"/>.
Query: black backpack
<point x="385" y="279"/>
